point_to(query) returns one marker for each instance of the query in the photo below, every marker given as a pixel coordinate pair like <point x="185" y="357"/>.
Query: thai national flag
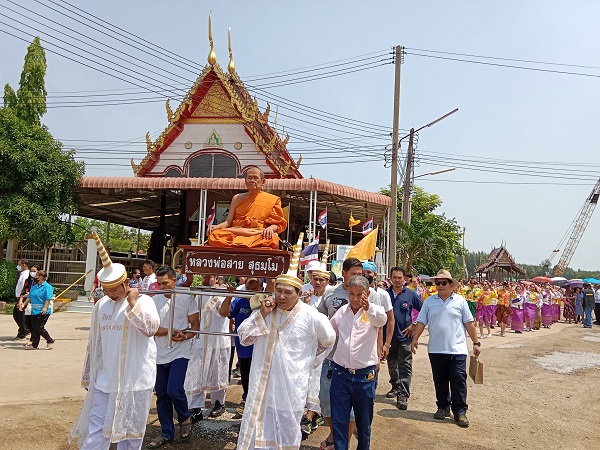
<point x="310" y="253"/>
<point x="323" y="219"/>
<point x="211" y="215"/>
<point x="367" y="226"/>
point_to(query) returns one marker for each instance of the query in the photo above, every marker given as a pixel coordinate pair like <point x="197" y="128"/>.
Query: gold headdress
<point x="322" y="270"/>
<point x="291" y="276"/>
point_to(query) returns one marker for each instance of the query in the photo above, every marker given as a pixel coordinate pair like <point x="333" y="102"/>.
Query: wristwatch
<point x="387" y="345"/>
<point x="478" y="344"/>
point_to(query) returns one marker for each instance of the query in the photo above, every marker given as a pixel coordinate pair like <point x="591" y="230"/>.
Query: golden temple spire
<point x="212" y="56"/>
<point x="231" y="66"/>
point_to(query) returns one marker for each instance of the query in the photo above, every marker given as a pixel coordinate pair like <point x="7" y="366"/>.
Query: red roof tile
<point x="288" y="184"/>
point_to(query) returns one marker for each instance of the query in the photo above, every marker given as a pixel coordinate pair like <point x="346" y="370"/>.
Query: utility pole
<point x="392" y="256"/>
<point x="406" y="191"/>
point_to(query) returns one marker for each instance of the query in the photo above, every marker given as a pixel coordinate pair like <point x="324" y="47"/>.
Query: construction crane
<point x="579" y="225"/>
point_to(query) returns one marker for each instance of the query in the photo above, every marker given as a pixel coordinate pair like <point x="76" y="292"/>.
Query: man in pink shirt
<point x="354" y="364"/>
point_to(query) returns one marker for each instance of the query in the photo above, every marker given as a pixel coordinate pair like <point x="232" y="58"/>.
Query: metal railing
<point x="201" y="290"/>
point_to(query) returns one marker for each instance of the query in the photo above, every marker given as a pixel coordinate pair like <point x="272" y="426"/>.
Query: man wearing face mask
<point x="18" y="313"/>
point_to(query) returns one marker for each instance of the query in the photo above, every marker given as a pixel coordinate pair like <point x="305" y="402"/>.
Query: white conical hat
<point x="322" y="270"/>
<point x="290" y="277"/>
<point x="112" y="274"/>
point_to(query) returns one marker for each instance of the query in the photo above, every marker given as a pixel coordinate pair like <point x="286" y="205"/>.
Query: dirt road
<point x="541" y="390"/>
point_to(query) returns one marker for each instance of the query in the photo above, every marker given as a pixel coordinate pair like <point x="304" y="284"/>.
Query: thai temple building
<point x="218" y="131"/>
<point x="198" y="163"/>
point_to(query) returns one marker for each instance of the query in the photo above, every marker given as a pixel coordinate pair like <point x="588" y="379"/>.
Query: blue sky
<point x="507" y="117"/>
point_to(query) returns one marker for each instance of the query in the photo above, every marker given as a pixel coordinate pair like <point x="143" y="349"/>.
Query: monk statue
<point x="255" y="218"/>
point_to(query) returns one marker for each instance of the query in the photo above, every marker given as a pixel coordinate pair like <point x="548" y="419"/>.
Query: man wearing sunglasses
<point x="447" y="315"/>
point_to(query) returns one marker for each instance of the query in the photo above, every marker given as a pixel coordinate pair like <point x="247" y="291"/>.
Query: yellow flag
<point x="365" y="249"/>
<point x="352" y="221"/>
<point x="286" y="213"/>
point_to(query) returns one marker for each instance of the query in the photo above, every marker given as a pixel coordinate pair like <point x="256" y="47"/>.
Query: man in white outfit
<point x="290" y="338"/>
<point x="208" y="369"/>
<point x="120" y="364"/>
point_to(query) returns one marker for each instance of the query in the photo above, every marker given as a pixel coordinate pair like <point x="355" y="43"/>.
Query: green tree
<point x="29" y="102"/>
<point x="10" y="97"/>
<point x="36" y="176"/>
<point x="472" y="261"/>
<point x="121" y="238"/>
<point x="431" y="241"/>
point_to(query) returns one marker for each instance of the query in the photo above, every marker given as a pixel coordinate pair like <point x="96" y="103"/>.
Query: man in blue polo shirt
<point x="449" y="319"/>
<point x="400" y="354"/>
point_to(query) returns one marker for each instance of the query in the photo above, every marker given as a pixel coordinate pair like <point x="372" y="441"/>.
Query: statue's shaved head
<point x="255" y="170"/>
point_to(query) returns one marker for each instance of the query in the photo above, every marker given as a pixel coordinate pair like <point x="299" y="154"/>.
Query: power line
<point x="536" y="69"/>
<point x="185" y="60"/>
<point x="521" y="164"/>
<point x="504" y="59"/>
<point x="152" y="45"/>
<point x="95" y="68"/>
<point x="500" y="170"/>
<point x="175" y="88"/>
<point x="502" y="182"/>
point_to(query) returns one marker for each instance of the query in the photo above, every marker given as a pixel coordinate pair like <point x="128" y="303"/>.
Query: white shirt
<point x="445" y="320"/>
<point x="336" y="298"/>
<point x="140" y="348"/>
<point x="185" y="305"/>
<point x="384" y="299"/>
<point x="357" y="336"/>
<point x="21" y="282"/>
<point x="147" y="281"/>
<point x="287" y="345"/>
<point x="597" y="296"/>
<point x="315" y="300"/>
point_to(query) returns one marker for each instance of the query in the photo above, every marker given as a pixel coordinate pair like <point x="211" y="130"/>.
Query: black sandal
<point x="185" y="431"/>
<point x="159" y="441"/>
<point x="327" y="445"/>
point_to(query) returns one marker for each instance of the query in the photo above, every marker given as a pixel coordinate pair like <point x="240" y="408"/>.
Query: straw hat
<point x="322" y="271"/>
<point x="112" y="274"/>
<point x="443" y="274"/>
<point x="291" y="277"/>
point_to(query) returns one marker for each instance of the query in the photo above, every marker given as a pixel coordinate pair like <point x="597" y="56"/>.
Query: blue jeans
<point x="587" y="321"/>
<point x="325" y="384"/>
<point x="450" y="380"/>
<point x="352" y="391"/>
<point x="171" y="394"/>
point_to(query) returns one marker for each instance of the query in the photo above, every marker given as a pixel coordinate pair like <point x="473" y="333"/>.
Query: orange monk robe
<point x="254" y="212"/>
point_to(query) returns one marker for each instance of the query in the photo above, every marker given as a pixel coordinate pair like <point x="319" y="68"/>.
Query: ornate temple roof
<point x="499" y="258"/>
<point x="219" y="97"/>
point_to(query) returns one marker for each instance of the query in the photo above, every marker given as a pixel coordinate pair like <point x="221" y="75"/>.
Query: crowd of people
<point x="371" y="323"/>
<point x="308" y="354"/>
<point x="520" y="305"/>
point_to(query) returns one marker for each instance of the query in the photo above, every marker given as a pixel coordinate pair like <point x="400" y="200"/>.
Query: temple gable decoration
<point x="214" y="140"/>
<point x="217" y="97"/>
